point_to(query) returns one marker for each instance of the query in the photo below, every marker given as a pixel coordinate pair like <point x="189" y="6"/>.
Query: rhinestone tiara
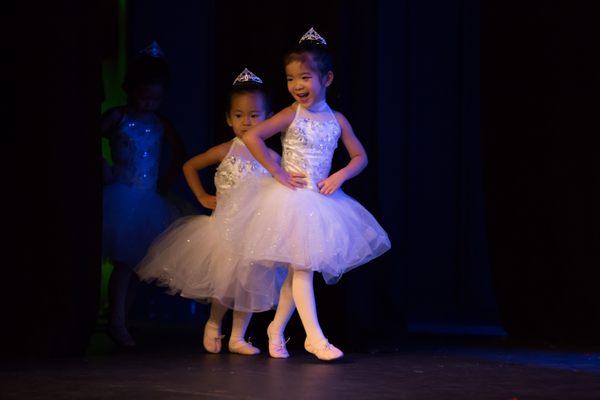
<point x="313" y="36"/>
<point x="246" y="76"/>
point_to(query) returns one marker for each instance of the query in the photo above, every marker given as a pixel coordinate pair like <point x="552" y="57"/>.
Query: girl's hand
<point x="329" y="185"/>
<point x="291" y="180"/>
<point x="208" y="201"/>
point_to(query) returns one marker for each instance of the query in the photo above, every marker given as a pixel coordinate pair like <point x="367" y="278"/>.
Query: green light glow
<point x="113" y="72"/>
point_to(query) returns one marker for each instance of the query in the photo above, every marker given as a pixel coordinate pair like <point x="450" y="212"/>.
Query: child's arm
<point x="358" y="159"/>
<point x="214" y="155"/>
<point x="110" y="120"/>
<point x="274" y="155"/>
<point x="177" y="156"/>
<point x="255" y="141"/>
<point x="108" y="123"/>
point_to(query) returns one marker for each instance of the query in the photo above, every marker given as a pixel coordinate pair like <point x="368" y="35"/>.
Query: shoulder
<point x="111" y="118"/>
<point x="166" y="122"/>
<point x="211" y="156"/>
<point x="340" y="118"/>
<point x="289" y="111"/>
<point x="113" y="115"/>
<point x="222" y="149"/>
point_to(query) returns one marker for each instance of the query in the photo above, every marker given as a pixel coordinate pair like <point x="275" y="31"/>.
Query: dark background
<point x="477" y="119"/>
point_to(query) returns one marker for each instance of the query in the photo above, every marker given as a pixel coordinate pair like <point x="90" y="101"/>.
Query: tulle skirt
<point x="190" y="258"/>
<point x="268" y="224"/>
<point x="132" y="218"/>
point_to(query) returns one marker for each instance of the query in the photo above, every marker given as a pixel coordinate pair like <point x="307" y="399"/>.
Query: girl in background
<point x="134" y="211"/>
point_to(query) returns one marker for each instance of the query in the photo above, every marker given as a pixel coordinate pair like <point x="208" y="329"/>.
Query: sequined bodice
<point x="135" y="149"/>
<point x="237" y="164"/>
<point x="309" y="143"/>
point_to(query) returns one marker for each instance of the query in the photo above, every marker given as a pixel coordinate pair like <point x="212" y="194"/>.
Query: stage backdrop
<point x="407" y="78"/>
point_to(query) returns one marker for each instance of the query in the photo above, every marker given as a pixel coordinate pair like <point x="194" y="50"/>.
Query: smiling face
<point x="247" y="109"/>
<point x="306" y="85"/>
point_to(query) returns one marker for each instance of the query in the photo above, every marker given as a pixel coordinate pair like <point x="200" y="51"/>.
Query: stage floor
<point x="423" y="367"/>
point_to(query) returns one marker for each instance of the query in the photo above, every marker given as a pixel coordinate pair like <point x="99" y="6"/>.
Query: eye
<point x="237" y="115"/>
<point x="289" y="79"/>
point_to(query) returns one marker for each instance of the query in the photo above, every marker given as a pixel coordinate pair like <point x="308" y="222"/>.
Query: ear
<point x="329" y="78"/>
<point x="228" y="119"/>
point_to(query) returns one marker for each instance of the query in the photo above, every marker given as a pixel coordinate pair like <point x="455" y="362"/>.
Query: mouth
<point x="302" y="96"/>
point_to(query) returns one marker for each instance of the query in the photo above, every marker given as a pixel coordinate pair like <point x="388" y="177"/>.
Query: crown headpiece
<point x="153" y="50"/>
<point x="246" y="76"/>
<point x="313" y="36"/>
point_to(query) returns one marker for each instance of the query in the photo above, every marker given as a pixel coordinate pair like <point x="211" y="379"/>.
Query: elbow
<point x="186" y="167"/>
<point x="365" y="161"/>
<point x="249" y="137"/>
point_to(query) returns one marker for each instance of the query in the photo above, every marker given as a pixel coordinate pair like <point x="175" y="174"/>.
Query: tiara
<point x="246" y="76"/>
<point x="153" y="50"/>
<point x="313" y="36"/>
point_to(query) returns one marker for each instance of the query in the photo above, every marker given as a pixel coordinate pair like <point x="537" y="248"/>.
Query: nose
<point x="246" y="120"/>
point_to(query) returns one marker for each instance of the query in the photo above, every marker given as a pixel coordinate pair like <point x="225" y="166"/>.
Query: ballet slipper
<point x="323" y="350"/>
<point x="277" y="348"/>
<point x="212" y="339"/>
<point x="243" y="347"/>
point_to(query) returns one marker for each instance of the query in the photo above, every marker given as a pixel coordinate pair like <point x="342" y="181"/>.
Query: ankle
<point x="213" y="325"/>
<point x="236" y="339"/>
<point x="274" y="331"/>
<point x="316" y="340"/>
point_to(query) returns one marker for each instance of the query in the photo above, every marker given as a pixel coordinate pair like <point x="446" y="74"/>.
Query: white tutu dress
<point x="271" y="224"/>
<point x="191" y="258"/>
<point x="133" y="212"/>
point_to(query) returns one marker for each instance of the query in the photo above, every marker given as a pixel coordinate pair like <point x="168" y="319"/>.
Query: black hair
<point x="314" y="53"/>
<point x="249" y="87"/>
<point x="146" y="70"/>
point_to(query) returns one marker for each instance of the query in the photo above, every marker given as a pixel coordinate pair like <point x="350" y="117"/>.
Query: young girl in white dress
<point x="307" y="223"/>
<point x="190" y="258"/>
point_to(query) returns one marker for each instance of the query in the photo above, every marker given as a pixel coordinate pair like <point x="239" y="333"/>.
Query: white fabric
<point x="191" y="258"/>
<point x="268" y="224"/>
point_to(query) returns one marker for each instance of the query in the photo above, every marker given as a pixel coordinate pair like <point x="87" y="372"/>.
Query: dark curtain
<point x="55" y="183"/>
<point x="540" y="85"/>
<point x="431" y="173"/>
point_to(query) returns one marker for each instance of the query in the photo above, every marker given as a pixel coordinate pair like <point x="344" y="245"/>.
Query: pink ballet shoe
<point x="243" y="347"/>
<point x="277" y="347"/>
<point x="324" y="350"/>
<point x="120" y="335"/>
<point x="212" y="340"/>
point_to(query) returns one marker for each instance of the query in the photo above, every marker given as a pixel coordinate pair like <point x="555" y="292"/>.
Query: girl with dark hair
<point x="191" y="258"/>
<point x="308" y="222"/>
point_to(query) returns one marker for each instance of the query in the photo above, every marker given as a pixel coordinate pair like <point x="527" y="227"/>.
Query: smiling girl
<point x="306" y="222"/>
